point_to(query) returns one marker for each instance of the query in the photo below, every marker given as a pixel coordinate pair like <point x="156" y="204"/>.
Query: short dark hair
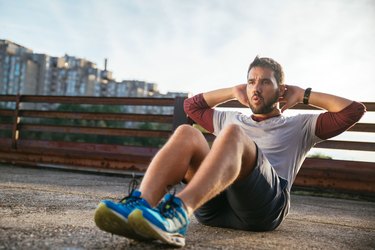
<point x="271" y="64"/>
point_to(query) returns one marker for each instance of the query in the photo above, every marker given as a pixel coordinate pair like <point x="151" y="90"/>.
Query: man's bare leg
<point x="187" y="155"/>
<point x="208" y="172"/>
<point x="177" y="159"/>
<point x="232" y="157"/>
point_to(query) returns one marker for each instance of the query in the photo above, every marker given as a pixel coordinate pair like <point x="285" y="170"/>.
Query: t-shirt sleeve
<point x="309" y="138"/>
<point x="303" y="140"/>
<point x="330" y="124"/>
<point x="197" y="109"/>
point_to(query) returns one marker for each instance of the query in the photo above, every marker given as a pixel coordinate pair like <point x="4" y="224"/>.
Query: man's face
<point x="262" y="90"/>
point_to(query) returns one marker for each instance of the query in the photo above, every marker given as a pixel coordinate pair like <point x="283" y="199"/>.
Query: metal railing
<point x="36" y="130"/>
<point x="125" y="133"/>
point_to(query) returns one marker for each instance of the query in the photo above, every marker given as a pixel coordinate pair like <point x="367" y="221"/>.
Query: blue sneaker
<point x="168" y="223"/>
<point x="113" y="216"/>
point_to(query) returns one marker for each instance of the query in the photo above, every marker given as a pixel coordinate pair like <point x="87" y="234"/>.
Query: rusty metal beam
<point x="5" y="143"/>
<point x="337" y="174"/>
<point x="363" y="127"/>
<point x="8" y="98"/>
<point x="37" y="158"/>
<point x="95" y="130"/>
<point x="8" y="126"/>
<point x="6" y="112"/>
<point x="138" y="101"/>
<point x="103" y="156"/>
<point x="89" y="147"/>
<point x="97" y="116"/>
<point x="347" y="145"/>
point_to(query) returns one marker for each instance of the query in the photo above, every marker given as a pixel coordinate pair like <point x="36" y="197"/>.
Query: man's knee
<point x="192" y="136"/>
<point x="234" y="133"/>
<point x="186" y="131"/>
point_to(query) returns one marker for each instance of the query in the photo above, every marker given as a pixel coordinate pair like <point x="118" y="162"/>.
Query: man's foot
<point x="113" y="216"/>
<point x="168" y="223"/>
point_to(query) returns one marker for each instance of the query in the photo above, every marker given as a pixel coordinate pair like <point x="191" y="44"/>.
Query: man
<point x="243" y="181"/>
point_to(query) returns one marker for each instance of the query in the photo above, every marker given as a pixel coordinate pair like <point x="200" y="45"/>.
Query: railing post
<point x="16" y="120"/>
<point x="179" y="116"/>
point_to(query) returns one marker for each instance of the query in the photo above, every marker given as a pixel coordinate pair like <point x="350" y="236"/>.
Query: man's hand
<point x="292" y="96"/>
<point x="239" y="92"/>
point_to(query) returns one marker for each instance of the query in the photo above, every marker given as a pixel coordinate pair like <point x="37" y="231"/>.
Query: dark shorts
<point x="258" y="203"/>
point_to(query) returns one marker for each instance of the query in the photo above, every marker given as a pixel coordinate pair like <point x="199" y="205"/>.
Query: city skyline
<point x="25" y="72"/>
<point x="197" y="46"/>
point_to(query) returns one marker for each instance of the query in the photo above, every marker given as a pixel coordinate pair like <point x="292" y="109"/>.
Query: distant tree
<point x="319" y="155"/>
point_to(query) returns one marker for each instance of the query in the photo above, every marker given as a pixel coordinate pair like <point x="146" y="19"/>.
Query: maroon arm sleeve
<point x="198" y="110"/>
<point x="330" y="124"/>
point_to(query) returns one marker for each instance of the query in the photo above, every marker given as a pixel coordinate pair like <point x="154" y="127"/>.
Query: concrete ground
<point x="49" y="209"/>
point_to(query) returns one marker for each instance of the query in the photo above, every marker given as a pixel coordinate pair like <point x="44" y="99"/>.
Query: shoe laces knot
<point x="131" y="199"/>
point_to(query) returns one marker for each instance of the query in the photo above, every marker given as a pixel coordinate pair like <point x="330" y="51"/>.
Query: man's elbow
<point x="360" y="110"/>
<point x="187" y="106"/>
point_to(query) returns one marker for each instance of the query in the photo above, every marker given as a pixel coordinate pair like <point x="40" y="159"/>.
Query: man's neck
<point x="262" y="117"/>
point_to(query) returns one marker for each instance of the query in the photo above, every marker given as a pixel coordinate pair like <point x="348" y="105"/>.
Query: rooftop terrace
<point x="53" y="209"/>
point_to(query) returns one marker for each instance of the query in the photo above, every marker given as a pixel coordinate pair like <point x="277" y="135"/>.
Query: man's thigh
<point x="258" y="202"/>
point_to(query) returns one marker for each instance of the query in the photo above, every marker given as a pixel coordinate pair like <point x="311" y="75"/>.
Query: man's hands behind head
<point x="292" y="96"/>
<point x="239" y="92"/>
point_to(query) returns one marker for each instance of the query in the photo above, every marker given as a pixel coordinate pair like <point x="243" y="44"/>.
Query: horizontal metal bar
<point x="144" y="159"/>
<point x="7" y="112"/>
<point x="95" y="131"/>
<point x="6" y="126"/>
<point x="8" y="98"/>
<point x="97" y="116"/>
<point x="363" y="127"/>
<point x="100" y="163"/>
<point x="88" y="147"/>
<point x="370" y="106"/>
<point x="5" y="143"/>
<point x="347" y="145"/>
<point x="99" y="100"/>
<point x="320" y="164"/>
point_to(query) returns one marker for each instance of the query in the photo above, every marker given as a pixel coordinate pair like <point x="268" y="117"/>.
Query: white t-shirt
<point x="285" y="141"/>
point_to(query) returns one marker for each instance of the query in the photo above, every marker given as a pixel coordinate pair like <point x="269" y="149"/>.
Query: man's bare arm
<point x="342" y="113"/>
<point x="216" y="97"/>
<point x="200" y="107"/>
<point x="294" y="95"/>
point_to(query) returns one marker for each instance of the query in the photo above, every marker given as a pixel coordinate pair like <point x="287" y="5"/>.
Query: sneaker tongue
<point x="168" y="197"/>
<point x="136" y="193"/>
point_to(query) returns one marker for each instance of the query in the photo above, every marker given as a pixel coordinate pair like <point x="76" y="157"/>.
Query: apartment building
<point x="27" y="73"/>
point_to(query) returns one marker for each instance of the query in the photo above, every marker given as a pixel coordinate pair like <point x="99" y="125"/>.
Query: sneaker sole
<point x="143" y="227"/>
<point x="110" y="221"/>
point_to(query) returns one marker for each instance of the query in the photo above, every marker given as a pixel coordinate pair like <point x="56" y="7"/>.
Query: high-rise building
<point x="18" y="72"/>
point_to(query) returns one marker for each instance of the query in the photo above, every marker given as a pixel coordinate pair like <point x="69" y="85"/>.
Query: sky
<point x="199" y="45"/>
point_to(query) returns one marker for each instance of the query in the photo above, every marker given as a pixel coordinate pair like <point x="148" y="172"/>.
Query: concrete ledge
<point x="49" y="209"/>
